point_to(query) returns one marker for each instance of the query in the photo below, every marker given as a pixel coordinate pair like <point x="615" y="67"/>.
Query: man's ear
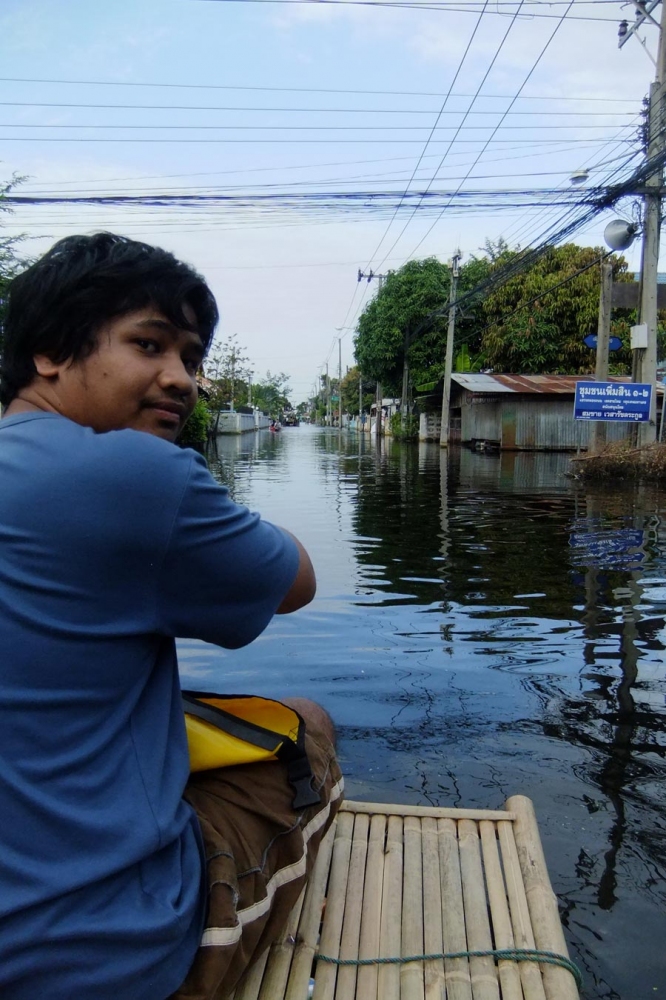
<point x="45" y="366"/>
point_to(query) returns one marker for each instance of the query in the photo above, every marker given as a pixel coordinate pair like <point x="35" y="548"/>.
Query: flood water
<point x="483" y="626"/>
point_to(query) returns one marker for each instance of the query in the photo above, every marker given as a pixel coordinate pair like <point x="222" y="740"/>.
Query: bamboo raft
<point x="400" y="881"/>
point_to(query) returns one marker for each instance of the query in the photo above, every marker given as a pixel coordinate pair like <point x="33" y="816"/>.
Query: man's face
<point x="141" y="375"/>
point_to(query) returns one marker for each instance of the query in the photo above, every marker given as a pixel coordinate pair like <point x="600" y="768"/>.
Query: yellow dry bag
<point x="223" y="730"/>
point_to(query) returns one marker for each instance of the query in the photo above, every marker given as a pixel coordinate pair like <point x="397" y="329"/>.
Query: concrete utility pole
<point x="360" y="398"/>
<point x="647" y="368"/>
<point x="598" y="435"/>
<point x="339" y="386"/>
<point x="378" y="405"/>
<point x="328" y="398"/>
<point x="405" y="386"/>
<point x="446" y="395"/>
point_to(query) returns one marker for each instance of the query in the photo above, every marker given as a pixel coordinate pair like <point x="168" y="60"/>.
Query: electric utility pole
<point x="646" y="369"/>
<point x="378" y="399"/>
<point x="360" y="399"/>
<point x="598" y="434"/>
<point x="339" y="387"/>
<point x="328" y="398"/>
<point x="448" y="365"/>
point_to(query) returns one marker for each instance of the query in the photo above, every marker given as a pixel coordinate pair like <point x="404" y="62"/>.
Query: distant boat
<point x="275" y="426"/>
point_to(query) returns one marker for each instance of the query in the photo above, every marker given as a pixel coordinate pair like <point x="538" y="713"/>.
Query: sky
<point x="320" y="126"/>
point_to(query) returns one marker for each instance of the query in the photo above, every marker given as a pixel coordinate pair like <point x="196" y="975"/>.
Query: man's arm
<point x="304" y="586"/>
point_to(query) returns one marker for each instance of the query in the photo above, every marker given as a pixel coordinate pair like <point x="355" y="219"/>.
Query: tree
<point x="396" y="317"/>
<point x="532" y="326"/>
<point x="271" y="394"/>
<point x="228" y="367"/>
<point x="412" y="311"/>
<point x="349" y="393"/>
<point x="11" y="263"/>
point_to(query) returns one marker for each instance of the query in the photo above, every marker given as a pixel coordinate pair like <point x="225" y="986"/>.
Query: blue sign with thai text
<point x="628" y="401"/>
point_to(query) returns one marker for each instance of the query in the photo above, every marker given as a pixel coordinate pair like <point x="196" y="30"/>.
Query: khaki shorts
<point x="259" y="853"/>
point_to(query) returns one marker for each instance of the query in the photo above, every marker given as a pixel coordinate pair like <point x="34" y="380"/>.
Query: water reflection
<point x="483" y="626"/>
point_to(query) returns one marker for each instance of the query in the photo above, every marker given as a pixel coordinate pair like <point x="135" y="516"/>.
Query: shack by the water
<point x="516" y="412"/>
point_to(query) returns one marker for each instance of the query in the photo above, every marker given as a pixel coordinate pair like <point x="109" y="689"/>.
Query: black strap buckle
<point x="300" y="779"/>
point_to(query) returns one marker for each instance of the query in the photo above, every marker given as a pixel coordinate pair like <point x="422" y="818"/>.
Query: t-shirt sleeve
<point x="225" y="571"/>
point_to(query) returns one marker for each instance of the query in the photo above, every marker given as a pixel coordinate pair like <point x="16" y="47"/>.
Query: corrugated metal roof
<point x="549" y="384"/>
<point x="476" y="382"/>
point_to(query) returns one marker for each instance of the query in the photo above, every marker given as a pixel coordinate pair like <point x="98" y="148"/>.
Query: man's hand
<point x="304" y="586"/>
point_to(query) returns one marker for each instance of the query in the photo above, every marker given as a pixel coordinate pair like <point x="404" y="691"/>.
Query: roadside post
<point x="598" y="436"/>
<point x="645" y="367"/>
<point x="448" y="364"/>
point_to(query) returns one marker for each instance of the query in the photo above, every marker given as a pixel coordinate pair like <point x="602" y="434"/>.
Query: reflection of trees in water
<point x="625" y="741"/>
<point x="231" y="458"/>
<point x="495" y="542"/>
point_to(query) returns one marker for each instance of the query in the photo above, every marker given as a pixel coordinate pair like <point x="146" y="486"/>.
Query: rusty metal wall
<point x="481" y="421"/>
<point x="549" y="425"/>
<point x="530" y="423"/>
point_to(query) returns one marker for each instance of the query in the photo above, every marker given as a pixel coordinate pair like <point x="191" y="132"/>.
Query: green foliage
<point x="463" y="361"/>
<point x="350" y="393"/>
<point x="195" y="432"/>
<point x="405" y="427"/>
<point x="411" y="310"/>
<point x="11" y="263"/>
<point x="228" y="367"/>
<point x="271" y="394"/>
<point x="546" y="335"/>
<point x="395" y="317"/>
<point x="525" y="324"/>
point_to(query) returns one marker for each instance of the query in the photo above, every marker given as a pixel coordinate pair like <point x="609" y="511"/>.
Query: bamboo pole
<point x="509" y="975"/>
<point x="530" y="973"/>
<point x="366" y="984"/>
<point x="388" y="976"/>
<point x="250" y="984"/>
<point x="351" y="928"/>
<point x="558" y="982"/>
<point x="479" y="938"/>
<point x="433" y="971"/>
<point x="411" y="974"/>
<point x="458" y="983"/>
<point x="308" y="928"/>
<point x="280" y="956"/>
<point x="329" y="943"/>
<point x="439" y="812"/>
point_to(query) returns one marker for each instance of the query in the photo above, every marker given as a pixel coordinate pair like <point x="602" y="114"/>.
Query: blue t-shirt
<point x="110" y="546"/>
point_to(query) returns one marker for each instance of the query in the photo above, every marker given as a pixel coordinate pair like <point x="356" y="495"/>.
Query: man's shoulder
<point x="119" y="457"/>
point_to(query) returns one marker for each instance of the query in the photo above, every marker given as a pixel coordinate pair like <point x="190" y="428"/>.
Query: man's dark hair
<point x="57" y="306"/>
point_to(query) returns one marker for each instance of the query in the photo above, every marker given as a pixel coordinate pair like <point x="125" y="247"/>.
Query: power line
<point x="527" y="258"/>
<point x="360" y="141"/>
<point x="439" y="8"/>
<point x="495" y="130"/>
<point x="304" y="166"/>
<point x="311" y="90"/>
<point x="460" y="127"/>
<point x="423" y="152"/>
<point x="312" y="128"/>
<point x="501" y="121"/>
<point x="282" y="110"/>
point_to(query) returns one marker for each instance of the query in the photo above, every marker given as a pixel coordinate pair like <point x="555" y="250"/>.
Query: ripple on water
<point x="483" y="627"/>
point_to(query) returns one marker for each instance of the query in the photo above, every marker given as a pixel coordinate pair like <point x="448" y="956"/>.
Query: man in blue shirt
<point x="120" y="875"/>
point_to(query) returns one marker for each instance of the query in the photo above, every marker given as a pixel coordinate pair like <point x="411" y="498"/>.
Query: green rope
<point x="506" y="954"/>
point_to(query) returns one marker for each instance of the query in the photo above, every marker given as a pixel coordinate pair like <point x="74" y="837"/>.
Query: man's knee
<point x="315" y="717"/>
